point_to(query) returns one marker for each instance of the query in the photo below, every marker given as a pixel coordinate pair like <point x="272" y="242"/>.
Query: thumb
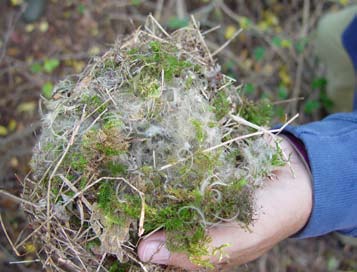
<point x="153" y="249"/>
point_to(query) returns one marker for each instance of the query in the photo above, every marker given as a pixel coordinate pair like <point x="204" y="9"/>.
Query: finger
<point x="153" y="249"/>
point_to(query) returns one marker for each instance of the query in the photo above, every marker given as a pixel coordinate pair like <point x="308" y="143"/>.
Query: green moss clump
<point x="278" y="159"/>
<point x="112" y="121"/>
<point x="200" y="132"/>
<point x="94" y="102"/>
<point x="107" y="142"/>
<point x="156" y="58"/>
<point x="221" y="105"/>
<point x="149" y="121"/>
<point x="78" y="161"/>
<point x="115" y="169"/>
<point x="260" y="113"/>
<point x="119" y="267"/>
<point x="107" y="201"/>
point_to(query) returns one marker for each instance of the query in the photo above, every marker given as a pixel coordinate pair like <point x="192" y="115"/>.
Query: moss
<point x="200" y="132"/>
<point x="111" y="122"/>
<point x="108" y="142"/>
<point x="83" y="182"/>
<point x="55" y="191"/>
<point x="145" y="86"/>
<point x="119" y="267"/>
<point x="184" y="232"/>
<point x="110" y="64"/>
<point x="78" y="162"/>
<point x="48" y="147"/>
<point x="107" y="201"/>
<point x="212" y="124"/>
<point x="188" y="82"/>
<point x="236" y="202"/>
<point x="221" y="105"/>
<point x="117" y="206"/>
<point x="158" y="57"/>
<point x="130" y="205"/>
<point x="115" y="169"/>
<point x="278" y="157"/>
<point x="260" y="113"/>
<point x="93" y="243"/>
<point x="234" y="156"/>
<point x="192" y="240"/>
<point x="94" y="102"/>
<point x="205" y="162"/>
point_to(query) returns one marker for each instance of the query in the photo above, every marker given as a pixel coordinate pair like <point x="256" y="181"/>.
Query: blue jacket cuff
<point x="331" y="145"/>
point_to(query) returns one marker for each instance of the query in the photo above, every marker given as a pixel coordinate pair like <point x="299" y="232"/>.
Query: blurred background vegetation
<point x="42" y="42"/>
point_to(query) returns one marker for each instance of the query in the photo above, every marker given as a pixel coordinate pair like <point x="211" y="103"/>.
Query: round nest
<point x="150" y="136"/>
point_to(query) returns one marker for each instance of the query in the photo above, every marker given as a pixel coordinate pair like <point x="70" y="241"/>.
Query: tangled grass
<point x="151" y="135"/>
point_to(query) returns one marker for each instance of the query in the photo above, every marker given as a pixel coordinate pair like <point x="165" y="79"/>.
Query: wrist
<point x="297" y="176"/>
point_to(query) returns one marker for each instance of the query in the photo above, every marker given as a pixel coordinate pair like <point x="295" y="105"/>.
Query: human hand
<point x="283" y="206"/>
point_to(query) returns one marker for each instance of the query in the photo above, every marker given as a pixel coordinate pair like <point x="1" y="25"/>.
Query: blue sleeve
<point x="331" y="146"/>
<point x="349" y="41"/>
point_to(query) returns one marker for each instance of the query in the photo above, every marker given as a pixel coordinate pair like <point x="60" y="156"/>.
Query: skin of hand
<point x="283" y="206"/>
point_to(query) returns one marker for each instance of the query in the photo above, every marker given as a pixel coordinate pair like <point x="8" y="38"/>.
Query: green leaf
<point x="259" y="53"/>
<point x="249" y="88"/>
<point x="176" y="23"/>
<point x="136" y="2"/>
<point x="319" y="83"/>
<point x="282" y="92"/>
<point x="245" y="22"/>
<point x="81" y="8"/>
<point x="333" y="264"/>
<point x="36" y="68"/>
<point x="311" y="106"/>
<point x="276" y="41"/>
<point x="50" y="65"/>
<point x="47" y="89"/>
<point x="327" y="103"/>
<point x="300" y="45"/>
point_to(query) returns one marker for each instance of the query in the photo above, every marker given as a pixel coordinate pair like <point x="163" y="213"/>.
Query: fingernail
<point x="155" y="251"/>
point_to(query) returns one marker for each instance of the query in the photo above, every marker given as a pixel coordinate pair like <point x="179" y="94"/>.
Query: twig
<point x="8" y="237"/>
<point x="25" y="262"/>
<point x="227" y="42"/>
<point x="287" y="123"/>
<point x="300" y="65"/>
<point x="159" y="26"/>
<point x="18" y="199"/>
<point x="211" y="30"/>
<point x="101" y="262"/>
<point x="201" y="38"/>
<point x="288" y="100"/>
<point x="158" y="9"/>
<point x="11" y="26"/>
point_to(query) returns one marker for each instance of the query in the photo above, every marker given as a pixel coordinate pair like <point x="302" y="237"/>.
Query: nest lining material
<point x="151" y="135"/>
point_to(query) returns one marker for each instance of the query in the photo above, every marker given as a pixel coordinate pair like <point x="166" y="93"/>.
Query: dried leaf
<point x="3" y="131"/>
<point x="27" y="107"/>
